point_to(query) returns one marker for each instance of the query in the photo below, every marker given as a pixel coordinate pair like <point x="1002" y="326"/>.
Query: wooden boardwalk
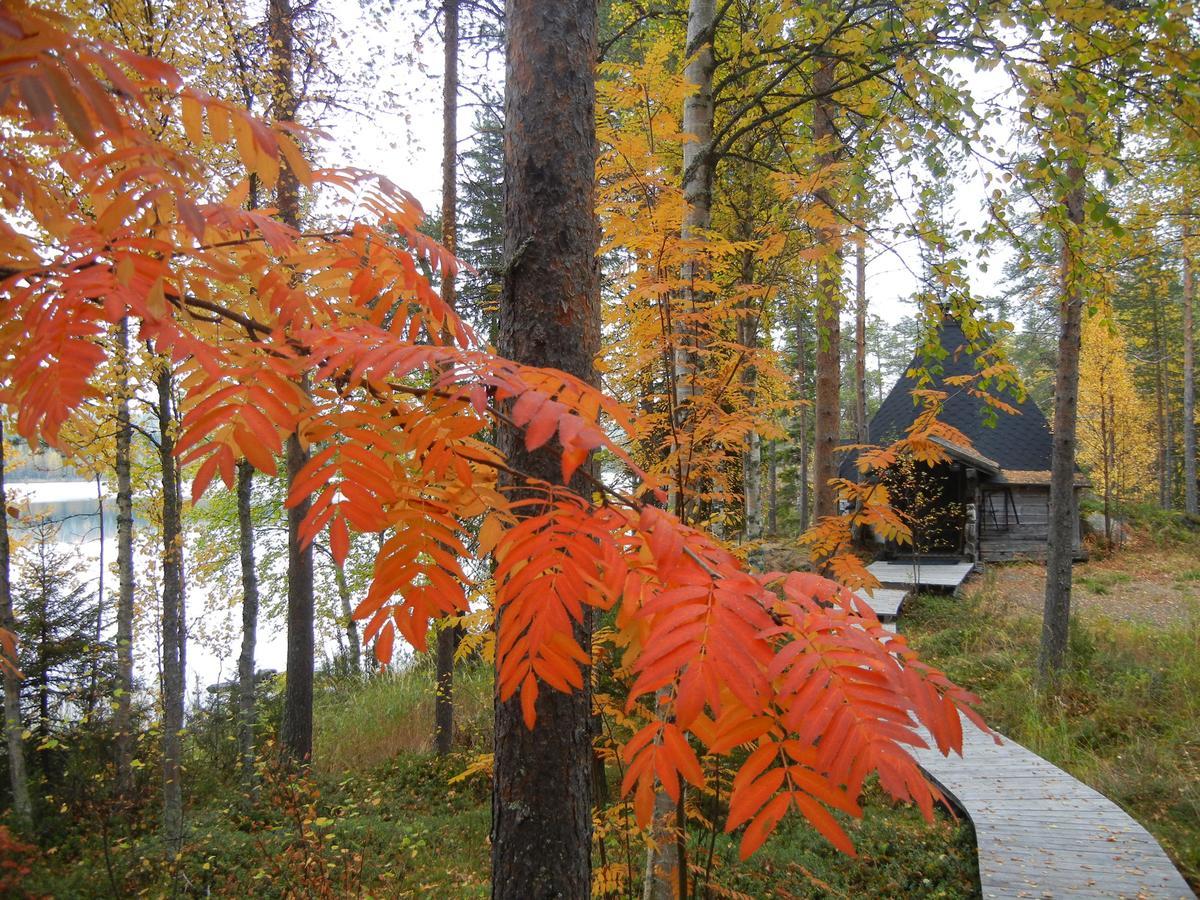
<point x="885" y="601"/>
<point x="941" y="575"/>
<point x="1041" y="833"/>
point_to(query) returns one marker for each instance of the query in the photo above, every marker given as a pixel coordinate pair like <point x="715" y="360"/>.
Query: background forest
<point x="248" y="398"/>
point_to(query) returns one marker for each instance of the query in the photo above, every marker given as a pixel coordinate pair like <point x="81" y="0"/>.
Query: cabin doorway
<point x="932" y="502"/>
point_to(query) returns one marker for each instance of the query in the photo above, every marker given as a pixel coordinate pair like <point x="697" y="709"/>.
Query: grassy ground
<point x="379" y="818"/>
<point x="898" y="855"/>
<point x="1125" y="717"/>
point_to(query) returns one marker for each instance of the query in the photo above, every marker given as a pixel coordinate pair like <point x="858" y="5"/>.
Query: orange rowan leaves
<point x="399" y="396"/>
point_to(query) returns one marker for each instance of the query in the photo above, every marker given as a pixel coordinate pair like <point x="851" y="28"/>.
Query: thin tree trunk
<point x="1164" y="413"/>
<point x="295" y="732"/>
<point x="1061" y="545"/>
<point x="1106" y="425"/>
<point x="1165" y="355"/>
<point x="773" y="488"/>
<point x="17" y="777"/>
<point x="246" y="709"/>
<point x="802" y="500"/>
<point x="1191" y="504"/>
<point x="125" y="580"/>
<point x="447" y="642"/>
<point x="98" y="632"/>
<point x="450" y="139"/>
<point x="172" y="624"/>
<point x="752" y="455"/>
<point x="353" y="644"/>
<point x="549" y="316"/>
<point x="860" y="337"/>
<point x="752" y="481"/>
<point x="829" y="303"/>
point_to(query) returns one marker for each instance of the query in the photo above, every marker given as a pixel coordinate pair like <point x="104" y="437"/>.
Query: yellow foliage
<point x="1114" y="422"/>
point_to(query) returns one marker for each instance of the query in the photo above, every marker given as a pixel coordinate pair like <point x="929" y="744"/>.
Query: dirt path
<point x="1139" y="584"/>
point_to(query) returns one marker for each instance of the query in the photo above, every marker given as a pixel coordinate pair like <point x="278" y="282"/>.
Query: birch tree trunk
<point x="353" y="642"/>
<point x="666" y="869"/>
<point x="697" y="217"/>
<point x="549" y="316"/>
<point x="752" y="455"/>
<point x="1162" y="398"/>
<point x="18" y="778"/>
<point x="1061" y="550"/>
<point x="772" y="488"/>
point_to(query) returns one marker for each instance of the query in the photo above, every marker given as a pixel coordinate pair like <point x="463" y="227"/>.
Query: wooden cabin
<point x="991" y="501"/>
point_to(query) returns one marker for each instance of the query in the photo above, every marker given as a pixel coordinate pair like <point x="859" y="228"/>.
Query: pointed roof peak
<point x="1019" y="442"/>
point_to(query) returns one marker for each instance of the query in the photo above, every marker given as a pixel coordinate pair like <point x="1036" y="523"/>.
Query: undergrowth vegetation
<point x="1123" y="717"/>
<point x="381" y="816"/>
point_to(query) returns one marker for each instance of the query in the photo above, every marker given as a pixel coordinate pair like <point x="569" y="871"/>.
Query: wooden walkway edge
<point x="1041" y="833"/>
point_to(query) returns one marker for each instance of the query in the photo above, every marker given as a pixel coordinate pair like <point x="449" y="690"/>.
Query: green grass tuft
<point x="357" y="725"/>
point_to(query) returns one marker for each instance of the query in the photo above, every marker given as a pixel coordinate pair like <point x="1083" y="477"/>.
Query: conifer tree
<point x="549" y="316"/>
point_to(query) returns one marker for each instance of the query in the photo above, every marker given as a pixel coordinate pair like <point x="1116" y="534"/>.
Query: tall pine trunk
<point x="802" y="499"/>
<point x="829" y="303"/>
<point x="860" y="337"/>
<point x="246" y="694"/>
<point x="125" y="579"/>
<point x="172" y="619"/>
<point x="1189" y="377"/>
<point x="549" y="316"/>
<point x="295" y="732"/>
<point x="17" y="776"/>
<point x="447" y="641"/>
<point x="1061" y="545"/>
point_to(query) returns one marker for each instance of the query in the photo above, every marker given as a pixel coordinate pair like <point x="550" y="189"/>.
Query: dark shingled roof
<point x="1016" y="442"/>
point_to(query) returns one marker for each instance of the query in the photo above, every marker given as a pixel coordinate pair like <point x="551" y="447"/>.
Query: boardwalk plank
<point x="1041" y="833"/>
<point x="936" y="575"/>
<point x="886" y="602"/>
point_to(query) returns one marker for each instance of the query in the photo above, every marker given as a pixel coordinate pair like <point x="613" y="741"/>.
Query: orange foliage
<point x="401" y="394"/>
